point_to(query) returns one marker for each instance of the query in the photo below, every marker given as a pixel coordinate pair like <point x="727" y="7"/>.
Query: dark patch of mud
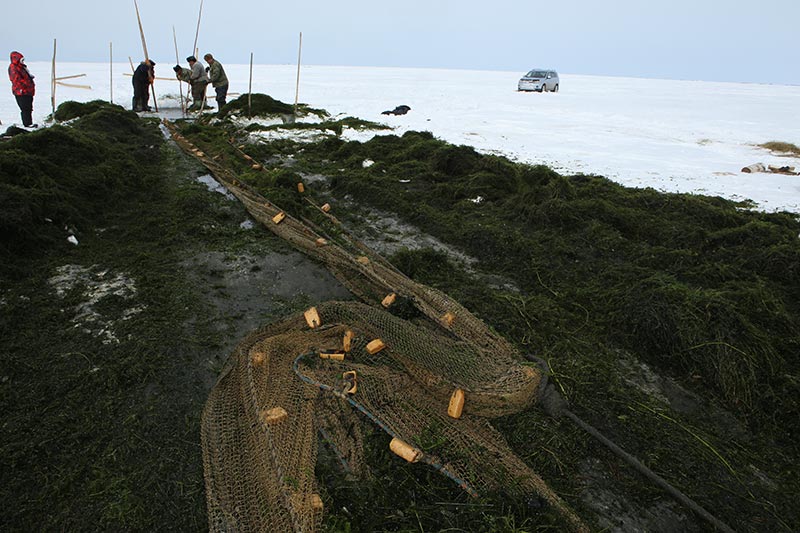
<point x="248" y="291"/>
<point x="679" y="399"/>
<point x="615" y="514"/>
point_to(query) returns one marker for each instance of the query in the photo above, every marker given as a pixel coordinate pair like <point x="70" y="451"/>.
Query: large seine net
<point x="281" y="389"/>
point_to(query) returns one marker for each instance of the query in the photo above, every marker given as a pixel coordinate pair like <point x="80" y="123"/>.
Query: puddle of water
<point x="214" y="186"/>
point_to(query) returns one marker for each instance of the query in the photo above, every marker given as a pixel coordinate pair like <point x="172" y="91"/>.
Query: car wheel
<point x="555" y="89"/>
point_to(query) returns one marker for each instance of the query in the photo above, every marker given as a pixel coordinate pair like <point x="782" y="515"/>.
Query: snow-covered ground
<point x="677" y="136"/>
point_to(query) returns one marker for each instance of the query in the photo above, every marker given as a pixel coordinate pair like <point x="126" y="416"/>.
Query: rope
<point x="554" y="405"/>
<point x="425" y="458"/>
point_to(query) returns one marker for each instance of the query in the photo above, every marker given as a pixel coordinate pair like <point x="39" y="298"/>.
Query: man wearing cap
<point x="143" y="77"/>
<point x="199" y="81"/>
<point x="218" y="79"/>
<point x="183" y="74"/>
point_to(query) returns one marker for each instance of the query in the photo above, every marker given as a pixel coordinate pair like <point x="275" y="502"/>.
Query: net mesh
<point x="294" y="380"/>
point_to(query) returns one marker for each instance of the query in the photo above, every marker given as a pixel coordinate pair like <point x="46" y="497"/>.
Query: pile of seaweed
<point x="262" y="105"/>
<point x="70" y="110"/>
<point x="60" y="180"/>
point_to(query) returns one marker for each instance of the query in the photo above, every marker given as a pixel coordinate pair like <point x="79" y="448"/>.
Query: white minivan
<point x="539" y="80"/>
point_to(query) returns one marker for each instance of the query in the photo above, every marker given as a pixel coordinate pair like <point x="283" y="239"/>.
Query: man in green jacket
<point x="218" y="79"/>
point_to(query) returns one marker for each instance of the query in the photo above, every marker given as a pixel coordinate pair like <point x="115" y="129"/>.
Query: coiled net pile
<point x="276" y="395"/>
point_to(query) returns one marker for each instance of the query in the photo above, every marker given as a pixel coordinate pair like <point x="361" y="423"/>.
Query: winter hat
<point x="191" y="58"/>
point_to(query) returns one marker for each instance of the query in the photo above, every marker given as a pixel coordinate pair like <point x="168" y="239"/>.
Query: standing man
<point x="143" y="77"/>
<point x="22" y="86"/>
<point x="218" y="79"/>
<point x="199" y="81"/>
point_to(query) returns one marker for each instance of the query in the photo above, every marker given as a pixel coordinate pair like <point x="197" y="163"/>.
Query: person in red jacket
<point x="22" y="86"/>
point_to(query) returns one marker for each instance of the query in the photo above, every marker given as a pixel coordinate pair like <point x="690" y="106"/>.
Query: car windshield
<point x="536" y="74"/>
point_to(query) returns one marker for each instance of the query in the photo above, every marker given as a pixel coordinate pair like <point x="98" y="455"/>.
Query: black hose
<point x="649" y="474"/>
<point x="554" y="405"/>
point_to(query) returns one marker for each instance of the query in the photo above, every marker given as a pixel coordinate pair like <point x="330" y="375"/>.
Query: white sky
<point x="717" y="40"/>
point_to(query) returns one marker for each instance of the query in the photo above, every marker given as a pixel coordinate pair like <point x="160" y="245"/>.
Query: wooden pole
<point x="111" y="69"/>
<point x="297" y="86"/>
<point x="250" y="89"/>
<point x="141" y="30"/>
<point x="178" y="62"/>
<point x="196" y="52"/>
<point x="74" y="86"/>
<point x="197" y="32"/>
<point x="61" y="78"/>
<point x="53" y="81"/>
<point x="144" y="47"/>
<point x="133" y="71"/>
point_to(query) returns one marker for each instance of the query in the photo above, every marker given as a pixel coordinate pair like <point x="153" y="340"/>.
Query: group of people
<point x="197" y="76"/>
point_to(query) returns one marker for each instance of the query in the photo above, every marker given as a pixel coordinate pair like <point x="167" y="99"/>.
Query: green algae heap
<point x="68" y="176"/>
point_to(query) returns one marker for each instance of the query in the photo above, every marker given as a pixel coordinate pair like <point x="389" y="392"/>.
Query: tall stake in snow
<point x="250" y="89"/>
<point x="197" y="32"/>
<point x="59" y="81"/>
<point x="297" y="86"/>
<point x="53" y="81"/>
<point x="141" y="30"/>
<point x="178" y="62"/>
<point x="144" y="47"/>
<point x="111" y="69"/>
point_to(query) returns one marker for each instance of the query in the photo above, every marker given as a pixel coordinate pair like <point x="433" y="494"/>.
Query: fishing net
<point x="340" y="365"/>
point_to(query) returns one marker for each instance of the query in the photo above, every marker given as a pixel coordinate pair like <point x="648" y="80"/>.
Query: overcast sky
<point x="716" y="40"/>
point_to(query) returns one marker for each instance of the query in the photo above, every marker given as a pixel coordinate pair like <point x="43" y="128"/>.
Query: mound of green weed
<point x="68" y="176"/>
<point x="69" y="110"/>
<point x="262" y="105"/>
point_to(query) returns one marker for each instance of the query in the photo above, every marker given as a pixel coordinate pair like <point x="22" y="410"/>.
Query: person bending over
<point x="143" y="77"/>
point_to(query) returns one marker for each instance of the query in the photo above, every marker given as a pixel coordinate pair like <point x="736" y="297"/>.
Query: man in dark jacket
<point x="143" y="76"/>
<point x="22" y="86"/>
